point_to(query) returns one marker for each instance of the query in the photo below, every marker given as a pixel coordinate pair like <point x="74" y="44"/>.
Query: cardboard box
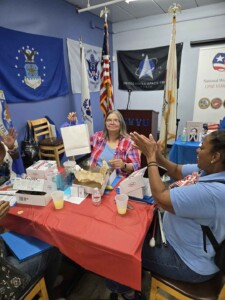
<point x="112" y="177"/>
<point x="32" y="197"/>
<point x="41" y="168"/>
<point x="133" y="186"/>
<point x="31" y="191"/>
<point x="89" y="187"/>
<point x="136" y="185"/>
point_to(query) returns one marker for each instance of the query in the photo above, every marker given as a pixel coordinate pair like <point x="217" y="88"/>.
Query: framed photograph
<point x="194" y="131"/>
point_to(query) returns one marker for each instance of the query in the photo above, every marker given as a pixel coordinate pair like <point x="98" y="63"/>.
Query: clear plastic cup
<point x="121" y="203"/>
<point x="69" y="166"/>
<point x="58" y="199"/>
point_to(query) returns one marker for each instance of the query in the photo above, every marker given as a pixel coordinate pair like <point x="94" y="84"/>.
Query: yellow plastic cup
<point x="121" y="203"/>
<point x="58" y="199"/>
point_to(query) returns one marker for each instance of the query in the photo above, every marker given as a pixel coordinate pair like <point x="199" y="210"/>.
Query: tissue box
<point x="41" y="168"/>
<point x="32" y="197"/>
<point x="89" y="187"/>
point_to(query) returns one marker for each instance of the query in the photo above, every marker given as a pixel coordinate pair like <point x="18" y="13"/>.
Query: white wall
<point x="203" y="23"/>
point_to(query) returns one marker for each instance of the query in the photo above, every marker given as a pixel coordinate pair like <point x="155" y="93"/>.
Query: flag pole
<point x="104" y="12"/>
<point x="169" y="111"/>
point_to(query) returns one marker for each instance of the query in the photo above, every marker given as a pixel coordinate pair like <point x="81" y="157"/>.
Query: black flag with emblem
<point x="145" y="70"/>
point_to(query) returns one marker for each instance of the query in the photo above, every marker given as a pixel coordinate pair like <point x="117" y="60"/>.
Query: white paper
<point x="76" y="140"/>
<point x="10" y="199"/>
<point x="75" y="200"/>
<point x="29" y="184"/>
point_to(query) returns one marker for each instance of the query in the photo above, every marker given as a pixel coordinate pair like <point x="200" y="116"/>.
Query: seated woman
<point x="113" y="145"/>
<point x="47" y="263"/>
<point x="7" y="146"/>
<point x="196" y="199"/>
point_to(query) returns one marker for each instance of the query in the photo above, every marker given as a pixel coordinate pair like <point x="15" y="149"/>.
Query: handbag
<point x="219" y="258"/>
<point x="12" y="280"/>
<point x="29" y="148"/>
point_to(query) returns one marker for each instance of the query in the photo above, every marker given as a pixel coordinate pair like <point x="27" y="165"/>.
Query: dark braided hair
<point x="217" y="140"/>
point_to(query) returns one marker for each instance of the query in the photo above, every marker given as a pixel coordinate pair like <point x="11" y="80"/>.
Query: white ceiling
<point x="122" y="11"/>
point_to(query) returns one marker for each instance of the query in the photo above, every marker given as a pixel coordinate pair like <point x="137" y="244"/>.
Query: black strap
<point x="207" y="232"/>
<point x="27" y="135"/>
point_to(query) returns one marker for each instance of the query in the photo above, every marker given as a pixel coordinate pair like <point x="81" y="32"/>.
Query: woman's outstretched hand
<point x="72" y="116"/>
<point x="10" y="138"/>
<point x="147" y="146"/>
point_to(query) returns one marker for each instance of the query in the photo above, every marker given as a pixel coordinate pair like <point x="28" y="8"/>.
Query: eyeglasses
<point x="112" y="121"/>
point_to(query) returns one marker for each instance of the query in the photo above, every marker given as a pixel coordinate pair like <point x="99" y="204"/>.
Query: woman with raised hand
<point x="196" y="199"/>
<point x="10" y="150"/>
<point x="113" y="145"/>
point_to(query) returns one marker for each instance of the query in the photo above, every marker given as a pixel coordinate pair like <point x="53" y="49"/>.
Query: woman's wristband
<point x="13" y="150"/>
<point x="151" y="163"/>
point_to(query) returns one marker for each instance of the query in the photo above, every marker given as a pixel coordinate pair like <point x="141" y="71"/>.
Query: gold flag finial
<point x="104" y="12"/>
<point x="174" y="8"/>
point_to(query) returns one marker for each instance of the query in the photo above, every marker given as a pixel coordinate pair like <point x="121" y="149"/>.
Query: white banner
<point x="210" y="86"/>
<point x="93" y="62"/>
<point x="169" y="111"/>
<point x="85" y="94"/>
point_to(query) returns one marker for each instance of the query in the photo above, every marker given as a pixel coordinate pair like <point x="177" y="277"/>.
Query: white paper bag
<point x="76" y="140"/>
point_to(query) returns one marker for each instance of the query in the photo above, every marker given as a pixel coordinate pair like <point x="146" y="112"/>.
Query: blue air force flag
<point x="32" y="66"/>
<point x="93" y="65"/>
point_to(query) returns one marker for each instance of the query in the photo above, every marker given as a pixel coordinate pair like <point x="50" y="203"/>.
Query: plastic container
<point x="183" y="137"/>
<point x="96" y="197"/>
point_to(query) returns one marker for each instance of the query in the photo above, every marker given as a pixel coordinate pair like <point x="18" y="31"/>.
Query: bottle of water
<point x="96" y="197"/>
<point x="183" y="136"/>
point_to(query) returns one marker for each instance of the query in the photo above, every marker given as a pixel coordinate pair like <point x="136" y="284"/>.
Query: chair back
<point x="222" y="293"/>
<point x="41" y="128"/>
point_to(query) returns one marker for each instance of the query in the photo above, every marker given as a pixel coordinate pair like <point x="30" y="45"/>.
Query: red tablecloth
<point x="97" y="238"/>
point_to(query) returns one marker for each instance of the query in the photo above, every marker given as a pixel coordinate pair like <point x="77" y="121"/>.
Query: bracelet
<point x="151" y="162"/>
<point x="153" y="165"/>
<point x="14" y="149"/>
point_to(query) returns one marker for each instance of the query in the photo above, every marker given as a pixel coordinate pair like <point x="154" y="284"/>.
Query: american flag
<point x="106" y="89"/>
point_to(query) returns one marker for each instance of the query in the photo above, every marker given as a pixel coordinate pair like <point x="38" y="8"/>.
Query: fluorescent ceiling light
<point x="102" y="4"/>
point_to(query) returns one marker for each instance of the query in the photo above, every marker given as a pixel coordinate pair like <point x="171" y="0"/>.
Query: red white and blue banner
<point x="92" y="56"/>
<point x="32" y="66"/>
<point x="210" y="86"/>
